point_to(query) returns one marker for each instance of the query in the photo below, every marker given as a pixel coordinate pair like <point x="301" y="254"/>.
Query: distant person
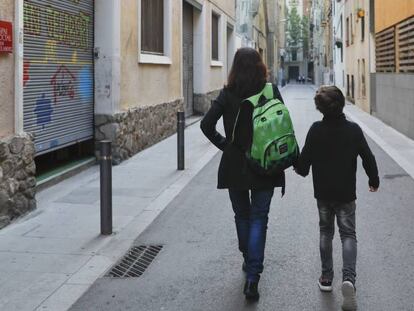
<point x="250" y="193"/>
<point x="331" y="148"/>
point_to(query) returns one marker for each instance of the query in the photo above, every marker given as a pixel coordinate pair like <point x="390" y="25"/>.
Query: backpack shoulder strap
<point x="267" y="92"/>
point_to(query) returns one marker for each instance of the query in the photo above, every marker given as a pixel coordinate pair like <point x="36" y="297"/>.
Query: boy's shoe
<point x="325" y="285"/>
<point x="348" y="292"/>
<point x="250" y="290"/>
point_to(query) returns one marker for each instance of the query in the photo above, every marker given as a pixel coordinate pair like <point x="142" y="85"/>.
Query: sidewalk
<point x="398" y="146"/>
<point x="53" y="255"/>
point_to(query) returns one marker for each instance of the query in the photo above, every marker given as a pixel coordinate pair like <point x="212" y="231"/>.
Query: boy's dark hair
<point x="329" y="100"/>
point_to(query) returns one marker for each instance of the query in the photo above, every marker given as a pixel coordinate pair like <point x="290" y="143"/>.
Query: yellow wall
<point x="6" y="77"/>
<point x="391" y="12"/>
<point x="358" y="51"/>
<point x="147" y="84"/>
<point x="227" y="6"/>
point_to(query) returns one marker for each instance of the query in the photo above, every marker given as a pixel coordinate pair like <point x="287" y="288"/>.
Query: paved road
<point x="200" y="266"/>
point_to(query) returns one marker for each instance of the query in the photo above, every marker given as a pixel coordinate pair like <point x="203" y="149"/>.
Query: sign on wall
<point x="6" y="37"/>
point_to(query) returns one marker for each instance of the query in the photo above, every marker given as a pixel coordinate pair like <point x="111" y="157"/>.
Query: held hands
<point x="372" y="189"/>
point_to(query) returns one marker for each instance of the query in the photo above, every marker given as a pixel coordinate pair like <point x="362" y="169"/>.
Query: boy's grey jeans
<point x="345" y="218"/>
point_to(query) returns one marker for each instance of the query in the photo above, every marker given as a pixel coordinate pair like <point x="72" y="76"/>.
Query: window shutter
<point x="214" y="37"/>
<point x="152" y="26"/>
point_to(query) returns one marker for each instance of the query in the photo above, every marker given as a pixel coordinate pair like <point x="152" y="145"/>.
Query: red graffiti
<point x="63" y="83"/>
<point x="26" y="75"/>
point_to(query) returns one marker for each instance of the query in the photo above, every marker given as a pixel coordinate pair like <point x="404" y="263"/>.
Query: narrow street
<point x="199" y="267"/>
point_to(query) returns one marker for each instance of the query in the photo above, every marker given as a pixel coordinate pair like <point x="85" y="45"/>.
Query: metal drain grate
<point x="135" y="261"/>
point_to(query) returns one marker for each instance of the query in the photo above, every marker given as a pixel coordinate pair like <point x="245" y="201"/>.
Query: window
<point x="359" y="79"/>
<point x="364" y="87"/>
<point x="152" y="27"/>
<point x="155" y="32"/>
<point x="347" y="31"/>
<point x="215" y="37"/>
<point x="342" y="36"/>
<point x="348" y="92"/>
<point x="352" y="29"/>
<point x="362" y="28"/>
<point x="352" y="86"/>
<point x="294" y="55"/>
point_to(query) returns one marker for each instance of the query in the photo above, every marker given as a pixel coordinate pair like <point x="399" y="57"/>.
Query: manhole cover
<point x="135" y="261"/>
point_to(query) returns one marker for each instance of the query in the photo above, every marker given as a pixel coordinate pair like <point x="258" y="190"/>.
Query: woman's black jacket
<point x="234" y="171"/>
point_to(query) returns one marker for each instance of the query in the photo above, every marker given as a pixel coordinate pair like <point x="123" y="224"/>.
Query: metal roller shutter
<point x="58" y="72"/>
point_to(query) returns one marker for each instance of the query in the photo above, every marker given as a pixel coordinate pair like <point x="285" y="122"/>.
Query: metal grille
<point x="406" y="45"/>
<point x="385" y="50"/>
<point x="135" y="262"/>
<point x="58" y="73"/>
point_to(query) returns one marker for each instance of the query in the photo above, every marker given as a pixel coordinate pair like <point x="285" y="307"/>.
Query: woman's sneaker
<point x="325" y="284"/>
<point x="348" y="292"/>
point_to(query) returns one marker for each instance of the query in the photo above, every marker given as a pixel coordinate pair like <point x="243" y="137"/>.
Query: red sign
<point x="6" y="37"/>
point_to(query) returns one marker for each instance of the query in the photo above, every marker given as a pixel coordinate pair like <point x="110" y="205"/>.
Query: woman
<point x="247" y="77"/>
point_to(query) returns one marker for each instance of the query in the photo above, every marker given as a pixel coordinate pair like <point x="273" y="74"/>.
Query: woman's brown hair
<point x="248" y="74"/>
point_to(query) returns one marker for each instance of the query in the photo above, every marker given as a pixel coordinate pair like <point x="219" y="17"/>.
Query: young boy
<point x="331" y="148"/>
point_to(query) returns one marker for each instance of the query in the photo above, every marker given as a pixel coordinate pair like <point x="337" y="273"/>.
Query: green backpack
<point x="274" y="147"/>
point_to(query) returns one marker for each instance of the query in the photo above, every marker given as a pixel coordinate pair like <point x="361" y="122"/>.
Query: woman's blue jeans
<point x="251" y="216"/>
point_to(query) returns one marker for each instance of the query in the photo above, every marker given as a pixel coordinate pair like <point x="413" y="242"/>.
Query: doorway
<point x="293" y="72"/>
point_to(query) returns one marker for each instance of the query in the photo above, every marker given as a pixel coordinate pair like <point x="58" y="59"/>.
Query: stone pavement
<point x="51" y="257"/>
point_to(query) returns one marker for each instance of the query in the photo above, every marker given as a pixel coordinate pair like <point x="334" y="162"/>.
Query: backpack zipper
<point x="274" y="143"/>
<point x="265" y="111"/>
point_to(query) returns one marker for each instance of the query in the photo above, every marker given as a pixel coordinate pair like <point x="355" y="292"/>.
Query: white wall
<point x="107" y="62"/>
<point x="339" y="65"/>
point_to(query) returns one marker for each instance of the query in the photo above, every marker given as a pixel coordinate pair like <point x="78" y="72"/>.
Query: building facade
<point x="296" y="64"/>
<point x="17" y="149"/>
<point x="82" y="71"/>
<point x="183" y="67"/>
<point x="281" y="22"/>
<point x="322" y="45"/>
<point x="338" y="32"/>
<point x="393" y="80"/>
<point x="359" y="49"/>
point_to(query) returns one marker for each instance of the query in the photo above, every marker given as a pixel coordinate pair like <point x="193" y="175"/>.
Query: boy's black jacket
<point x="331" y="148"/>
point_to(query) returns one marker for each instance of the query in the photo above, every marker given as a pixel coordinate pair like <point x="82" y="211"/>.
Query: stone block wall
<point x="202" y="102"/>
<point x="136" y="129"/>
<point x="17" y="177"/>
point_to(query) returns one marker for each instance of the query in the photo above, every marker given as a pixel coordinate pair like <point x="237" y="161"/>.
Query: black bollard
<point x="106" y="187"/>
<point x="180" y="140"/>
